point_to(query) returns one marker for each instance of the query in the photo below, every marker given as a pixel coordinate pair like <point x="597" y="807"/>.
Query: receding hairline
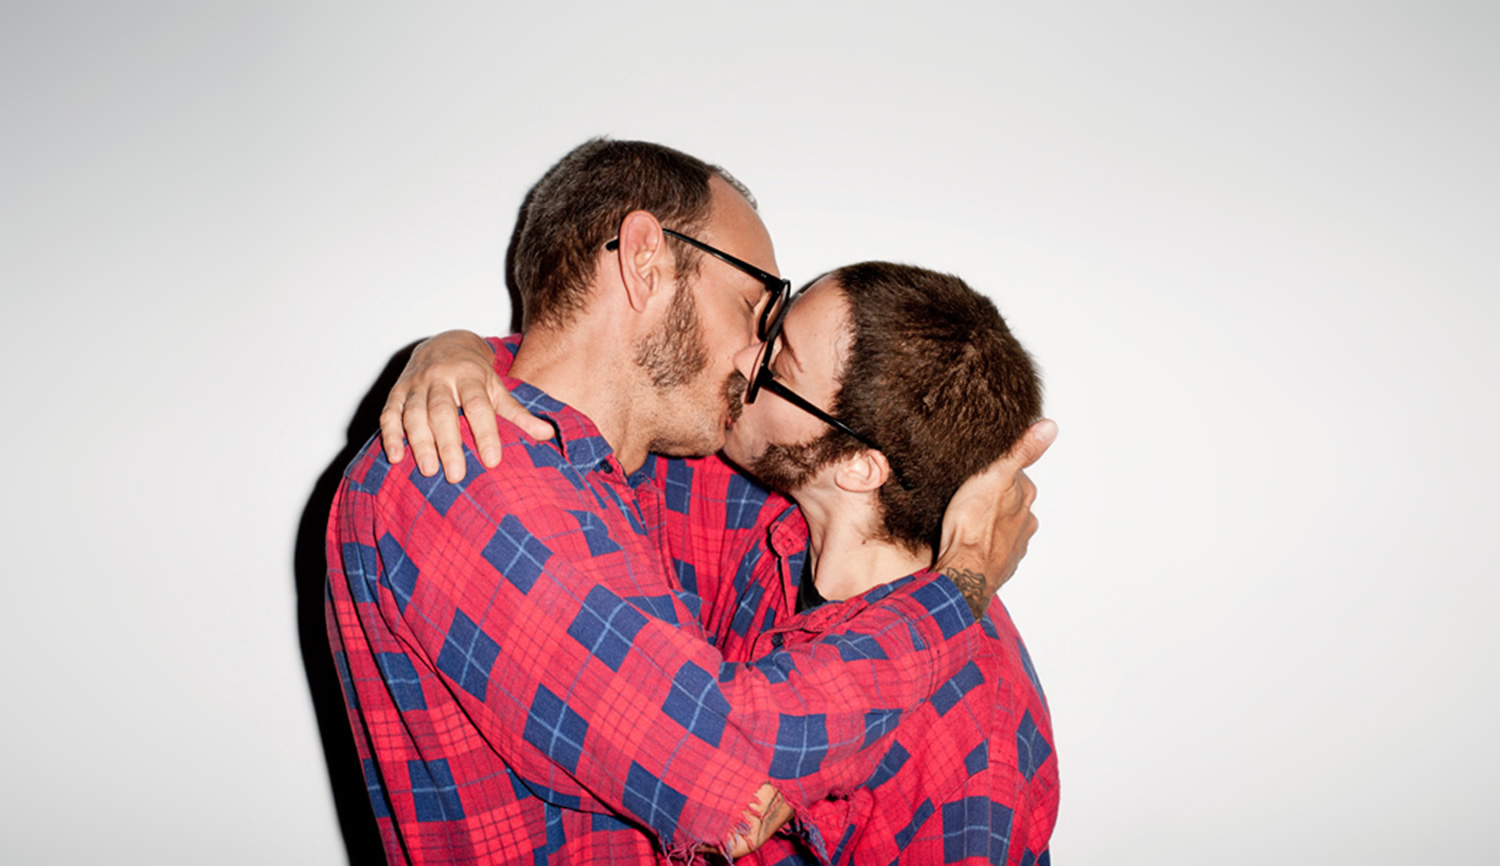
<point x="735" y="184"/>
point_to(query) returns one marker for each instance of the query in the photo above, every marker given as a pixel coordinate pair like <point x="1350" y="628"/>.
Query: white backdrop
<point x="1252" y="244"/>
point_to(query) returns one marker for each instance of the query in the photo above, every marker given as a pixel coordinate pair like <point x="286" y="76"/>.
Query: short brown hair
<point x="578" y="206"/>
<point x="934" y="376"/>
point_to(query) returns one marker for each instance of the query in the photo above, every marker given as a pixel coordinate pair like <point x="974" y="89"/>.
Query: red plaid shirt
<point x="527" y="679"/>
<point x="970" y="777"/>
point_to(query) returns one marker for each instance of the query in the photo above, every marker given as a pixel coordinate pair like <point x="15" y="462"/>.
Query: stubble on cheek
<point x="734" y="394"/>
<point x="676" y="352"/>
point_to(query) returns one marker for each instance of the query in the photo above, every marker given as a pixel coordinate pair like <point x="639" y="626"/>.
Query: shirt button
<point x="605" y="467"/>
<point x="776" y="640"/>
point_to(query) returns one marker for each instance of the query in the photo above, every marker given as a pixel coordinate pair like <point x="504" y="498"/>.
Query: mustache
<point x="734" y="394"/>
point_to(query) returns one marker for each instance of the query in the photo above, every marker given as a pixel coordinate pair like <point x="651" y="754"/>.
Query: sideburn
<point x="675" y="353"/>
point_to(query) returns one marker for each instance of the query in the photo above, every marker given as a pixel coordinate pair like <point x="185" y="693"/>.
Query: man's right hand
<point x="989" y="521"/>
<point x="452" y="370"/>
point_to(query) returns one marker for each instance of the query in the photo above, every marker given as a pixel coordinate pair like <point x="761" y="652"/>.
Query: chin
<point x="731" y="449"/>
<point x="690" y="444"/>
<point x="741" y="445"/>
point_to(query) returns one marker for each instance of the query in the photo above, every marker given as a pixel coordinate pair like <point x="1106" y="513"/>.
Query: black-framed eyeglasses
<point x="765" y="378"/>
<point x="779" y="288"/>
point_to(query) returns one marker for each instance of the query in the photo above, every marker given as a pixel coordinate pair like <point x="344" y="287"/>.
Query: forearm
<point x="806" y="719"/>
<point x="974" y="587"/>
<point x="851" y="684"/>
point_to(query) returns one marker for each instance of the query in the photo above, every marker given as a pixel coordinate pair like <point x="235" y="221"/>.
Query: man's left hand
<point x="989" y="522"/>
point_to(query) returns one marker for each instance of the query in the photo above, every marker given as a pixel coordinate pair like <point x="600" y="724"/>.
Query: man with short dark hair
<point x="581" y="200"/>
<point x="934" y="377"/>
<point x="883" y="388"/>
<point x="525" y="673"/>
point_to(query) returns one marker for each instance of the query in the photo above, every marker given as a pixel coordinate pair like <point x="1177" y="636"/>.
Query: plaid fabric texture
<point x="527" y="678"/>
<point x="970" y="777"/>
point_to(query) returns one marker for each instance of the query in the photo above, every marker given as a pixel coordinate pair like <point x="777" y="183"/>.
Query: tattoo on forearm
<point x="974" y="587"/>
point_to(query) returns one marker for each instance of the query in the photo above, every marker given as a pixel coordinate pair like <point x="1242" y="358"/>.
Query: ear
<point x="645" y="262"/>
<point x="862" y="472"/>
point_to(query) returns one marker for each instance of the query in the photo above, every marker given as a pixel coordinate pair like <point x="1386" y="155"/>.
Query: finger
<point x="442" y="415"/>
<point x="1017" y="554"/>
<point x="392" y="438"/>
<point x="481" y="414"/>
<point x="739" y="846"/>
<point x="1027" y="488"/>
<point x="988" y="486"/>
<point x="1034" y="443"/>
<point x="511" y="410"/>
<point x="419" y="434"/>
<point x="1023" y="541"/>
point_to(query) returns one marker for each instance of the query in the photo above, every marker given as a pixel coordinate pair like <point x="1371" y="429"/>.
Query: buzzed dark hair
<point x="935" y="377"/>
<point x="578" y="206"/>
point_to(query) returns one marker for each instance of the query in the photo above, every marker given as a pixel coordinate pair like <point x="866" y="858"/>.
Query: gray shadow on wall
<point x="345" y="775"/>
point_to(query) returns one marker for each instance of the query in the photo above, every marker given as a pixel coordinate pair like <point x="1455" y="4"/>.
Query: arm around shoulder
<point x="451" y="371"/>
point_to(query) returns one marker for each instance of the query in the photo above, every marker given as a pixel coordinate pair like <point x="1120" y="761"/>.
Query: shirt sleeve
<point x="983" y="817"/>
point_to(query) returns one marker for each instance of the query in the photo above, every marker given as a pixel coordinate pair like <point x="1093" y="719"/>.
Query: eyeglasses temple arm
<point x="792" y="397"/>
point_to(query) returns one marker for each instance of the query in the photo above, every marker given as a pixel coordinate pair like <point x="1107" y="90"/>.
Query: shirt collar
<point x="834" y="612"/>
<point x="579" y="441"/>
<point x="788" y="536"/>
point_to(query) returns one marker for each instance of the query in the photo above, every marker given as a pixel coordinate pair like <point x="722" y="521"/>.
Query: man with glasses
<point x="525" y="672"/>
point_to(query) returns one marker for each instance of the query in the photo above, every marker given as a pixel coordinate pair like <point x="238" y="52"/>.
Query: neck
<point x="848" y="555"/>
<point x="587" y="365"/>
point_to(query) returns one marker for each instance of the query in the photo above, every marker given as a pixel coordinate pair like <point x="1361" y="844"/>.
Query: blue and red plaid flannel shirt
<point x="970" y="777"/>
<point x="527" y="678"/>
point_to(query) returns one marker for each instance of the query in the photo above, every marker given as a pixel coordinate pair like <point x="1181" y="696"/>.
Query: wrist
<point x="973" y="585"/>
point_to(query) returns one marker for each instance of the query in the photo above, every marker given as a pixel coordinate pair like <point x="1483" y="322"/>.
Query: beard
<point x="785" y="468"/>
<point x="674" y="358"/>
<point x="676" y="352"/>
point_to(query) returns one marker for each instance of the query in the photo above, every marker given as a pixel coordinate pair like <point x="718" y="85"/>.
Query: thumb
<point x="1034" y="443"/>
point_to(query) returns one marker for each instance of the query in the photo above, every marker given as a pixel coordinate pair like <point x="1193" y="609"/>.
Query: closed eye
<point x="776" y="356"/>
